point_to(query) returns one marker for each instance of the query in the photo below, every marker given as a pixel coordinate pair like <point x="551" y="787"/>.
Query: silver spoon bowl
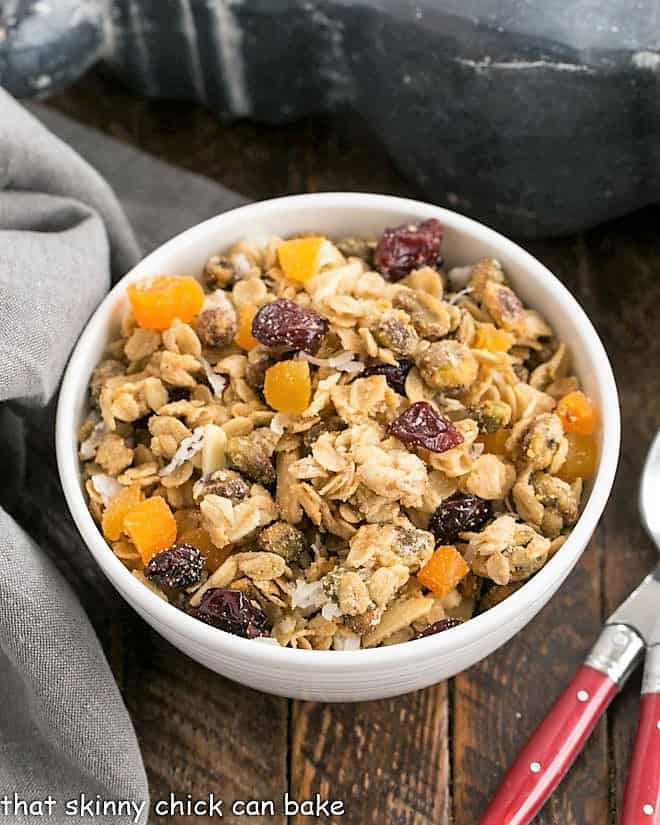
<point x="649" y="492"/>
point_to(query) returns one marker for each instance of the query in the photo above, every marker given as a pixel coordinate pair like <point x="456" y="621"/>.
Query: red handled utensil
<point x="641" y="800"/>
<point x="552" y="748"/>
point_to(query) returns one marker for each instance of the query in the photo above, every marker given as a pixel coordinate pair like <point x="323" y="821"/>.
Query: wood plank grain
<point x="388" y="761"/>
<point x="626" y="256"/>
<point x="498" y="703"/>
<point x="201" y="733"/>
<point x="259" y="161"/>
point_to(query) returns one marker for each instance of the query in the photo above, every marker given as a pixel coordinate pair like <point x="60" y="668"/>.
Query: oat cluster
<point x="330" y="456"/>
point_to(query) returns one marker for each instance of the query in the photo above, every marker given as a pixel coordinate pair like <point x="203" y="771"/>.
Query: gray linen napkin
<point x="64" y="730"/>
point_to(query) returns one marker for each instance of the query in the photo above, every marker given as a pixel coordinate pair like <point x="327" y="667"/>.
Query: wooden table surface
<point x="432" y="757"/>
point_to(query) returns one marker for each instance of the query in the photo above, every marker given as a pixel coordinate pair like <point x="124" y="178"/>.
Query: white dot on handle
<point x="582" y="695"/>
<point x="535" y="767"/>
<point x="648" y="809"/>
<point x="657" y="724"/>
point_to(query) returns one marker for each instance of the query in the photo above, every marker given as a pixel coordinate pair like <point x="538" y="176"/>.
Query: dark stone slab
<point x="533" y="118"/>
<point x="47" y="44"/>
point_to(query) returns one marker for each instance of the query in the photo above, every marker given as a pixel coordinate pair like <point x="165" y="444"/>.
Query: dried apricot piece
<point x="580" y="459"/>
<point x="300" y="258"/>
<point x="187" y="519"/>
<point x="244" y="337"/>
<point x="157" y="301"/>
<point x="491" y="338"/>
<point x="151" y="527"/>
<point x="444" y="570"/>
<point x="577" y="413"/>
<point x="216" y="557"/>
<point x="199" y="538"/>
<point x="495" y="442"/>
<point x="114" y="514"/>
<point x="288" y="387"/>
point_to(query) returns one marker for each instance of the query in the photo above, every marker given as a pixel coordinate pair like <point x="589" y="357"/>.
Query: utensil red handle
<point x="641" y="800"/>
<point x="551" y="750"/>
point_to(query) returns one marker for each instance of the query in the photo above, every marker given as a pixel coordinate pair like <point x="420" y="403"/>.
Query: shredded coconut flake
<point x="187" y="449"/>
<point x="106" y="486"/>
<point x="217" y="382"/>
<point x="458" y="295"/>
<point x="330" y="611"/>
<point x="218" y="300"/>
<point x="316" y="546"/>
<point x="308" y="595"/>
<point x="241" y="263"/>
<point x="89" y="445"/>
<point x="329" y="254"/>
<point x="459" y="277"/>
<point x="278" y="423"/>
<point x="345" y="639"/>
<point x="343" y="361"/>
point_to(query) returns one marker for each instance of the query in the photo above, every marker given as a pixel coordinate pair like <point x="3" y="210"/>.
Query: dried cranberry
<point x="285" y="323"/>
<point x="179" y="566"/>
<point x="232" y="611"/>
<point x="405" y="248"/>
<point x="459" y="513"/>
<point x="422" y="426"/>
<point x="395" y="374"/>
<point x="437" y="627"/>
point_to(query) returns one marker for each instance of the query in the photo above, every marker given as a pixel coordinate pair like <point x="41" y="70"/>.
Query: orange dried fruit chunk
<point x="444" y="570"/>
<point x="114" y="514"/>
<point x="300" y="258"/>
<point x="216" y="557"/>
<point x="187" y="519"/>
<point x="151" y="527"/>
<point x="495" y="442"/>
<point x="244" y="337"/>
<point x="199" y="538"/>
<point x="580" y="459"/>
<point x="492" y="339"/>
<point x="288" y="387"/>
<point x="577" y="413"/>
<point x="157" y="301"/>
<point x="213" y="556"/>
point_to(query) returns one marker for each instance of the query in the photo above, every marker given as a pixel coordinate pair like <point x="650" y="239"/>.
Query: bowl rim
<point x="469" y="634"/>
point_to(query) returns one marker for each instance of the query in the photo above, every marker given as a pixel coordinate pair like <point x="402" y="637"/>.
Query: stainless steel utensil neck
<point x="651" y="680"/>
<point x="616" y="652"/>
<point x="640" y="610"/>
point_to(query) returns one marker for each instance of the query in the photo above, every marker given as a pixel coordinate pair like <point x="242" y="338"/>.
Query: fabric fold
<point x="64" y="729"/>
<point x="67" y="194"/>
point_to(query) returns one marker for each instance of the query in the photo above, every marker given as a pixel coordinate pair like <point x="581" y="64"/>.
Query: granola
<point x="335" y="445"/>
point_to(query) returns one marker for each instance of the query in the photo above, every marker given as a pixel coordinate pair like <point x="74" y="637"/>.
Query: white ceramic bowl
<point x="381" y="672"/>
